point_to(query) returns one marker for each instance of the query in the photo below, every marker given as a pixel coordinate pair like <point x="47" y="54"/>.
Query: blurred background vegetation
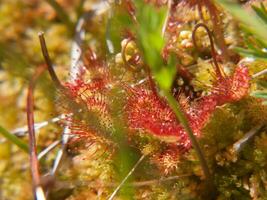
<point x="234" y="141"/>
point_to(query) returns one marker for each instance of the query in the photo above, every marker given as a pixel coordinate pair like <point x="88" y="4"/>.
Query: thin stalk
<point x="182" y="119"/>
<point x="32" y="141"/>
<point x="22" y="131"/>
<point x="63" y="16"/>
<point x="64" y="141"/>
<point x="126" y="177"/>
<point x="213" y="52"/>
<point x="40" y="194"/>
<point x="48" y="149"/>
<point x="218" y="29"/>
<point x="237" y="146"/>
<point x="261" y="73"/>
<point x="99" y="184"/>
<point x="14" y="139"/>
<point x="65" y="135"/>
<point x="48" y="60"/>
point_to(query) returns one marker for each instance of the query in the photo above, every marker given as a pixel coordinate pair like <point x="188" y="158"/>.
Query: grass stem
<point x="182" y="119"/>
<point x="14" y="139"/>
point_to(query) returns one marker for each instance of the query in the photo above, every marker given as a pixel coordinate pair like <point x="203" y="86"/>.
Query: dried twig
<point x="263" y="72"/>
<point x="24" y="130"/>
<point x="64" y="141"/>
<point x="48" y="149"/>
<point x="240" y="143"/>
<point x="99" y="184"/>
<point x="126" y="177"/>
<point x="40" y="194"/>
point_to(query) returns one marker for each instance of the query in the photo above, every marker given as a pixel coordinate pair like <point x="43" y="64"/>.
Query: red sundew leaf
<point x="90" y="91"/>
<point x="92" y="61"/>
<point x="168" y="160"/>
<point x="149" y="113"/>
<point x="79" y="87"/>
<point x="232" y="88"/>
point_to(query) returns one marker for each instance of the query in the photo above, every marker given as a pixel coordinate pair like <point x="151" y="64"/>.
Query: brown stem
<point x="218" y="30"/>
<point x="213" y="52"/>
<point x="30" y="120"/>
<point x="48" y="60"/>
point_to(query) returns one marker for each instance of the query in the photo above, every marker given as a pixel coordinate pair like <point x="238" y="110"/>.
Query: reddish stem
<point x="48" y="60"/>
<point x="30" y="119"/>
<point x="213" y="52"/>
<point x="218" y="30"/>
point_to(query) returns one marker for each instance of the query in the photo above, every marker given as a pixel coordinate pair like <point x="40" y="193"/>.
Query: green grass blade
<point x="14" y="139"/>
<point x="251" y="53"/>
<point x="260" y="12"/>
<point x="257" y="26"/>
<point x="260" y="94"/>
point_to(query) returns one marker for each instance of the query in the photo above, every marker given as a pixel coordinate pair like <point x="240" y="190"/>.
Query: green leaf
<point x="165" y="77"/>
<point x="261" y="12"/>
<point x="151" y="42"/>
<point x="14" y="139"/>
<point x="252" y="53"/>
<point x="260" y="94"/>
<point x="255" y="24"/>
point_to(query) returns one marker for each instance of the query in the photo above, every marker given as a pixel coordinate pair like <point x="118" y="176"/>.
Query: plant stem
<point x="126" y="177"/>
<point x="263" y="72"/>
<point x="38" y="191"/>
<point x="14" y="139"/>
<point x="182" y="119"/>
<point x="48" y="60"/>
<point x="237" y="146"/>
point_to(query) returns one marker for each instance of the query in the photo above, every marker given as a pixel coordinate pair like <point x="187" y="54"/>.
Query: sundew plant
<point x="133" y="99"/>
